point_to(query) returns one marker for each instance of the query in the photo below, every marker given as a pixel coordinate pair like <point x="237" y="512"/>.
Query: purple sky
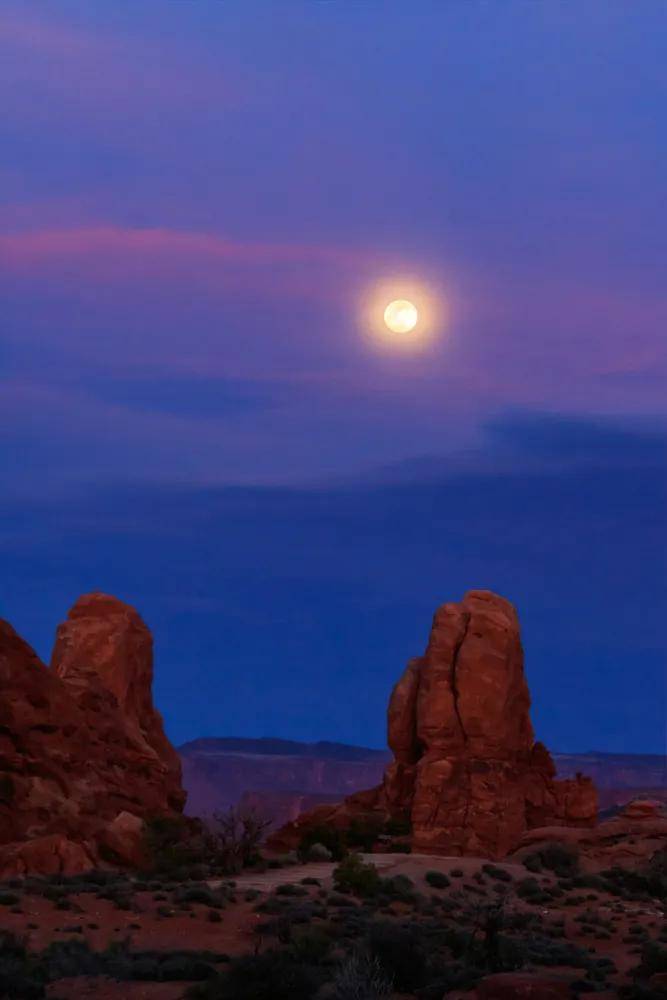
<point x="197" y="200"/>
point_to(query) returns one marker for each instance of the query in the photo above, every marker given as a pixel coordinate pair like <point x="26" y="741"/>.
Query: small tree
<point x="234" y="838"/>
<point x="354" y="875"/>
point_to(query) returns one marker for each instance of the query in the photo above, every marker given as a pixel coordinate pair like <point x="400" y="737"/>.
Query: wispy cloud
<point x="105" y="76"/>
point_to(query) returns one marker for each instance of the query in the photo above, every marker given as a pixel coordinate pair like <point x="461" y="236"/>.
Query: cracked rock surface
<point x="467" y="772"/>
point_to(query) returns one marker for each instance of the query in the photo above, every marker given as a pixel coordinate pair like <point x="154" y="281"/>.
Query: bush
<point x="562" y="859"/>
<point x="198" y="894"/>
<point x="72" y="958"/>
<point x="356" y="876"/>
<point x="653" y="960"/>
<point x="324" y="836"/>
<point x="233" y="839"/>
<point x="171" y="843"/>
<point x="182" y="847"/>
<point x="399" y="953"/>
<point x="290" y="889"/>
<point x="493" y="871"/>
<point x="21" y="975"/>
<point x="310" y="947"/>
<point x="318" y="852"/>
<point x="399" y="887"/>
<point x="437" y="879"/>
<point x="361" y="977"/>
<point x="273" y="975"/>
<point x="531" y="890"/>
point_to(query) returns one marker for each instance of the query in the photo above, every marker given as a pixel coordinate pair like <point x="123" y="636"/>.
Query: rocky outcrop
<point x="628" y="840"/>
<point x="467" y="774"/>
<point x="83" y="754"/>
<point x="104" y="641"/>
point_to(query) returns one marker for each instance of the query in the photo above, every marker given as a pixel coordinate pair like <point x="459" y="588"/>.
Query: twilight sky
<point x="196" y="201"/>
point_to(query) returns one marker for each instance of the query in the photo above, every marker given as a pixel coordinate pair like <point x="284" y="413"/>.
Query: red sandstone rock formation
<point x="106" y="641"/>
<point x="628" y="840"/>
<point x="83" y="755"/>
<point x="467" y="772"/>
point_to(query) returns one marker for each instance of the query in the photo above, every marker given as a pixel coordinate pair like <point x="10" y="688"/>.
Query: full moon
<point x="401" y="316"/>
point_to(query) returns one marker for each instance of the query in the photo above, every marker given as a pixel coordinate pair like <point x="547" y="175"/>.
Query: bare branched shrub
<point x="234" y="838"/>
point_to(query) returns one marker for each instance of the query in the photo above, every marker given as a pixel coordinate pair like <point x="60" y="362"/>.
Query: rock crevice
<point x="467" y="772"/>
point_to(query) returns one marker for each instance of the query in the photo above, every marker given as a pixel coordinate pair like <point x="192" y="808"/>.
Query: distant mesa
<point x="467" y="776"/>
<point x="83" y="754"/>
<point x="282" y="778"/>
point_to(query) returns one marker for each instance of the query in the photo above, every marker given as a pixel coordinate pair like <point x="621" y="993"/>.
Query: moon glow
<point x="401" y="316"/>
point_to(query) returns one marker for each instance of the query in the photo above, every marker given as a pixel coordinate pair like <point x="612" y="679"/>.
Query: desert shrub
<point x="653" y="960"/>
<point x="198" y="894"/>
<point x="640" y="991"/>
<point x="437" y="879"/>
<point x="531" y="891"/>
<point x="335" y="899"/>
<point x="290" y="889"/>
<point x="21" y="974"/>
<point x="271" y="905"/>
<point x="398" y="887"/>
<point x="233" y="839"/>
<point x="326" y="836"/>
<point x="172" y="843"/>
<point x="182" y="847"/>
<point x="399" y="952"/>
<point x="72" y="957"/>
<point x="9" y="899"/>
<point x="318" y="852"/>
<point x="361" y="977"/>
<point x="456" y="873"/>
<point x="273" y="975"/>
<point x="562" y="859"/>
<point x="309" y="880"/>
<point x="533" y="863"/>
<point x="542" y="950"/>
<point x="658" y="862"/>
<point x="310" y="947"/>
<point x="356" y="876"/>
<point x="633" y="885"/>
<point x="493" y="871"/>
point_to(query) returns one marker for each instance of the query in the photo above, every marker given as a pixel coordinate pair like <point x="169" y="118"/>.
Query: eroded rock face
<point x="106" y="641"/>
<point x="83" y="755"/>
<point x="467" y="772"/>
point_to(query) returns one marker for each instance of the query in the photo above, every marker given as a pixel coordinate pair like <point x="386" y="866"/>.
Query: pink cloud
<point x="152" y="269"/>
<point x="52" y="68"/>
